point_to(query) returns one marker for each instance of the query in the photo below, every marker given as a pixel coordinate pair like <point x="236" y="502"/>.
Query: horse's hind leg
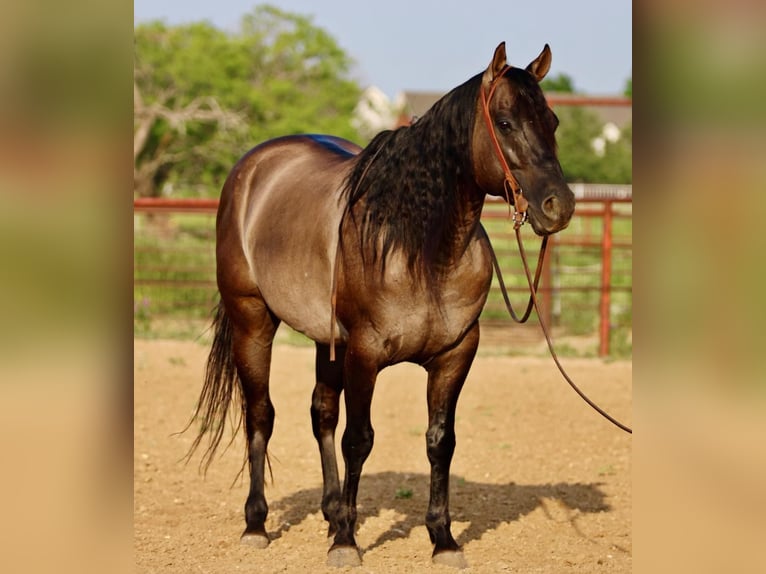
<point x="324" y="420"/>
<point x="446" y="375"/>
<point x="253" y="332"/>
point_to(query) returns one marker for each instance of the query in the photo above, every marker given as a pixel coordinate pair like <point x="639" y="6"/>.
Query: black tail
<point x="220" y="387"/>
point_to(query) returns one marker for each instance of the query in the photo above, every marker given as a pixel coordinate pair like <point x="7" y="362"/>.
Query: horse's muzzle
<point x="554" y="213"/>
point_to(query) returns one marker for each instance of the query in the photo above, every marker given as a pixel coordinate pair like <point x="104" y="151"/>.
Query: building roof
<point x="617" y="110"/>
<point x="610" y="109"/>
<point x="418" y="103"/>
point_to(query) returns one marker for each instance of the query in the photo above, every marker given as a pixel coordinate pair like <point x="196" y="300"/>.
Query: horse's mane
<point x="406" y="182"/>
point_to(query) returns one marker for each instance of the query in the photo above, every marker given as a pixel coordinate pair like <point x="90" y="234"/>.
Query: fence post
<point x="606" y="280"/>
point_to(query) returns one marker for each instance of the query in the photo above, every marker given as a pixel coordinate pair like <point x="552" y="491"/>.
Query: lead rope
<point x="519" y="217"/>
<point x="504" y="291"/>
<point x="544" y="327"/>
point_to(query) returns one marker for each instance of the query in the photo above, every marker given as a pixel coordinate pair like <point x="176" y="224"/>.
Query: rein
<point x="544" y="327"/>
<point x="504" y="291"/>
<point x="519" y="217"/>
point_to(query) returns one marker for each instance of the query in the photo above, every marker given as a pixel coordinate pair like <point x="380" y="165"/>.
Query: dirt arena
<point x="539" y="482"/>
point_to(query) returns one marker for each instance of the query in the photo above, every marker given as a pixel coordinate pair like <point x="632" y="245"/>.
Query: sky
<point x="435" y="45"/>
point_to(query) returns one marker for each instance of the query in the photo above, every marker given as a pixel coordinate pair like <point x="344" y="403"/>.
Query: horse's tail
<point x="221" y="386"/>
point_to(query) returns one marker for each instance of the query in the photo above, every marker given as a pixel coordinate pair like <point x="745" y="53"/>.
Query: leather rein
<point x="519" y="216"/>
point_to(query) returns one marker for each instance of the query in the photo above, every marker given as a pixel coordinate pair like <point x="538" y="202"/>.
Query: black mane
<point x="407" y="181"/>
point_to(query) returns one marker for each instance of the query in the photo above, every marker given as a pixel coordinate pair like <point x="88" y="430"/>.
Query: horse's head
<point x="514" y="132"/>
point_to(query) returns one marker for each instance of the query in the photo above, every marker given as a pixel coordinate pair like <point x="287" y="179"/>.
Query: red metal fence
<point x="586" y="284"/>
<point x="587" y="272"/>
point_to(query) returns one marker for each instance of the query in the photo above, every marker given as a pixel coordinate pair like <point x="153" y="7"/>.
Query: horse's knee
<point x="316" y="419"/>
<point x="357" y="444"/>
<point x="440" y="442"/>
<point x="324" y="413"/>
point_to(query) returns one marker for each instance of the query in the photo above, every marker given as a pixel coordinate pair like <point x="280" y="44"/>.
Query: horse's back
<point x="278" y="225"/>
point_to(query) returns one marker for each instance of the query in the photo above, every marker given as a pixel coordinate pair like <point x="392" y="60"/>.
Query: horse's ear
<point x="497" y="64"/>
<point x="540" y="66"/>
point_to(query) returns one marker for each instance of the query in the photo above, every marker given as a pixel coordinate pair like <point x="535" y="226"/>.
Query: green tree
<point x="616" y="165"/>
<point x="302" y="74"/>
<point x="578" y="129"/>
<point x="604" y="161"/>
<point x="202" y="96"/>
<point x="628" y="91"/>
<point x="561" y="83"/>
<point x="184" y="102"/>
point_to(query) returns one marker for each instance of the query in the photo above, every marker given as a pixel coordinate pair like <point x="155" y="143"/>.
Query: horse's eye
<point x="504" y="125"/>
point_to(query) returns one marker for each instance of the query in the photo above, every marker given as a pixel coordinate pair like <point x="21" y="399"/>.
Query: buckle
<point x="518" y="222"/>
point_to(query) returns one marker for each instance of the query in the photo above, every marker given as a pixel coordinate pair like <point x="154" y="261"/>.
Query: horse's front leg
<point x="324" y="420"/>
<point x="360" y="372"/>
<point x="446" y="374"/>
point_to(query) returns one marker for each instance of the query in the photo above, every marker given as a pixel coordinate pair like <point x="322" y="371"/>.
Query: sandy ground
<point x="540" y="483"/>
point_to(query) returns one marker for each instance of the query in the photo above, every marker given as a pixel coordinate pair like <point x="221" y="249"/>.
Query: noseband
<point x="520" y="203"/>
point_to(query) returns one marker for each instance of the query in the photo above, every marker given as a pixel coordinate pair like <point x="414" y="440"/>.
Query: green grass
<point x="173" y="274"/>
<point x="403" y="493"/>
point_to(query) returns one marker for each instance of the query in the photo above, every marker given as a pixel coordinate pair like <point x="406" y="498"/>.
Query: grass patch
<point x="403" y="493"/>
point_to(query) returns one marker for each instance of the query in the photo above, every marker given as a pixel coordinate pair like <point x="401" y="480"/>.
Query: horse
<point x="386" y="244"/>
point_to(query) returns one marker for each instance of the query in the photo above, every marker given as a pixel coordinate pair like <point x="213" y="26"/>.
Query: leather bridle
<point x="520" y="206"/>
<point x="520" y="203"/>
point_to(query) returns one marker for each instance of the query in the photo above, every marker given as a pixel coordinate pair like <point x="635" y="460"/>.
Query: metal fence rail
<point x="586" y="285"/>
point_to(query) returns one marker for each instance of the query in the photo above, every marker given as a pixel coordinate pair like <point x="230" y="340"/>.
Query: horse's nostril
<point x="551" y="207"/>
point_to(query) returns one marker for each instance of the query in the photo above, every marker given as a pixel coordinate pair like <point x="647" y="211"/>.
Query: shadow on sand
<point x="484" y="506"/>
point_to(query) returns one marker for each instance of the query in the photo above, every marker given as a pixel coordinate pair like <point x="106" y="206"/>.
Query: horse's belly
<point x="300" y="299"/>
<point x="292" y="261"/>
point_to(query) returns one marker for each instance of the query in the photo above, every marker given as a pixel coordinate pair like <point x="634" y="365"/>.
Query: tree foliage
<point x="204" y="96"/>
<point x="578" y="129"/>
<point x="561" y="83"/>
<point x="581" y="156"/>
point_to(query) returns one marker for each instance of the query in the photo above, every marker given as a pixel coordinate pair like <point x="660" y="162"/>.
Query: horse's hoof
<point x="254" y="540"/>
<point x="452" y="558"/>
<point x="344" y="556"/>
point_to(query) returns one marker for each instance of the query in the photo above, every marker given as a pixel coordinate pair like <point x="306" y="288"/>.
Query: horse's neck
<point x="466" y="221"/>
